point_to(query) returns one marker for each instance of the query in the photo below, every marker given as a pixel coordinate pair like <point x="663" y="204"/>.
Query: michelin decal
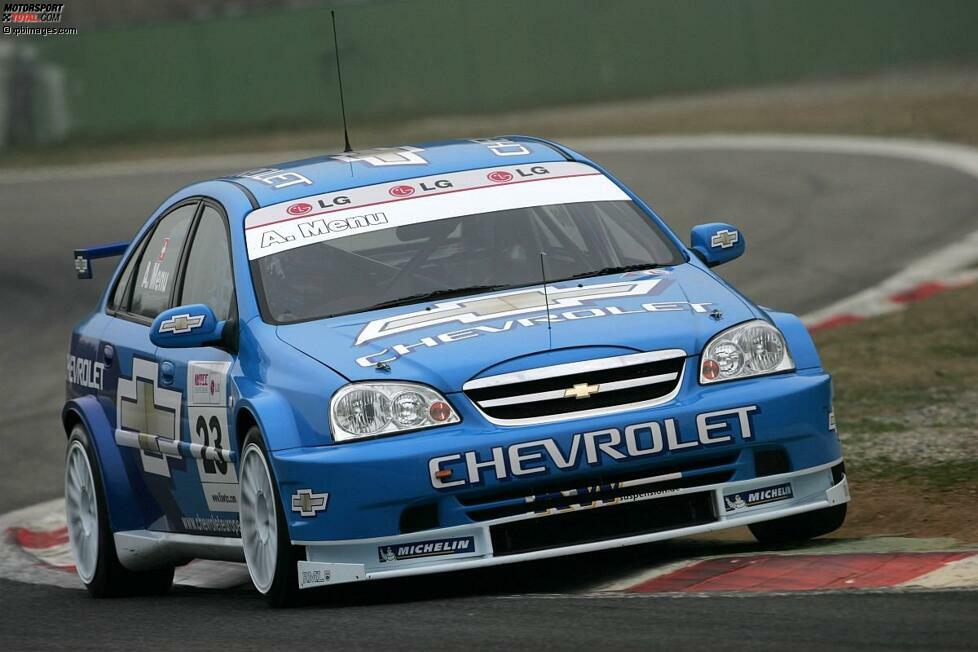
<point x="761" y="496"/>
<point x="432" y="548"/>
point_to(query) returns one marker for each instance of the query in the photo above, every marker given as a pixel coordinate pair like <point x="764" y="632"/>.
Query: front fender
<point x="799" y="340"/>
<point x="122" y="506"/>
<point x="276" y="419"/>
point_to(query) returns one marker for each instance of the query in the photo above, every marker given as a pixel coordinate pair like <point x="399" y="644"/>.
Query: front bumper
<point x="731" y="504"/>
<point x="381" y="498"/>
<point x="386" y="487"/>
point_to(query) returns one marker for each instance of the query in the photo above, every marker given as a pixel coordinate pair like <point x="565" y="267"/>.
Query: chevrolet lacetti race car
<point x="420" y="359"/>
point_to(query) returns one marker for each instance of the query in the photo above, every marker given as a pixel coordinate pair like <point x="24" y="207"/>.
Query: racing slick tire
<point x="269" y="554"/>
<point x="89" y="532"/>
<point x="800" y="527"/>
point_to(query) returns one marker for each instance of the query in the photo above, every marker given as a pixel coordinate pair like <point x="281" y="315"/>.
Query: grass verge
<point x="909" y="379"/>
<point x="906" y="403"/>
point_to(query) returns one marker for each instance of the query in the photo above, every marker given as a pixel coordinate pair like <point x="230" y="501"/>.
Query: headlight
<point x="754" y="348"/>
<point x="362" y="410"/>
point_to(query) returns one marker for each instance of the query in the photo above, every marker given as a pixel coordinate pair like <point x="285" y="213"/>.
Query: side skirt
<point x="140" y="550"/>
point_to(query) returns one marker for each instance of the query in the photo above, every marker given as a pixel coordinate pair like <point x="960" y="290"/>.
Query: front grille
<point x="567" y="390"/>
<point x="771" y="461"/>
<point x="838" y="472"/>
<point x="419" y="517"/>
<point x="607" y="487"/>
<point x="603" y="523"/>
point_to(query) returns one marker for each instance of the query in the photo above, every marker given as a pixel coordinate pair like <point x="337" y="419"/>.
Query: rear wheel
<point x="89" y="534"/>
<point x="800" y="527"/>
<point x="271" y="557"/>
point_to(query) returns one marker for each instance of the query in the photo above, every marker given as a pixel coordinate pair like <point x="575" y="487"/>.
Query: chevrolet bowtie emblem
<point x="181" y="323"/>
<point x="724" y="239"/>
<point x="582" y="390"/>
<point x="308" y="503"/>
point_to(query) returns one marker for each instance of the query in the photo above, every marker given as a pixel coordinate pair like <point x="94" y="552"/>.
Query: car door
<point x="207" y="489"/>
<point x="139" y="396"/>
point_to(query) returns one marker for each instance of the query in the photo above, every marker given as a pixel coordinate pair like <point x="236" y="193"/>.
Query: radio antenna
<point x="546" y="298"/>
<point x="339" y="78"/>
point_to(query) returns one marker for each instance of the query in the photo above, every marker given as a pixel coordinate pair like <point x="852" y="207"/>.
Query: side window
<point x="208" y="277"/>
<point x="158" y="265"/>
<point x="120" y="295"/>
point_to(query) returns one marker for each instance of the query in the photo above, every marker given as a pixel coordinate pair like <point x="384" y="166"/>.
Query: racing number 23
<point x="205" y="430"/>
<point x="207" y="420"/>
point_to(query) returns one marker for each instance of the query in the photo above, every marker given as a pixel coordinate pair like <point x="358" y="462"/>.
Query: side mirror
<point x="185" y="327"/>
<point x="717" y="243"/>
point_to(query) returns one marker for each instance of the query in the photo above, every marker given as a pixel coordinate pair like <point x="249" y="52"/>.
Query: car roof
<point x="281" y="182"/>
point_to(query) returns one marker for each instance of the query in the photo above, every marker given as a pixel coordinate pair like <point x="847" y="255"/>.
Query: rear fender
<point x="123" y="507"/>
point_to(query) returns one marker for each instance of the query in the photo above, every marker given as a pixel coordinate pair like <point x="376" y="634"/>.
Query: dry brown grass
<point x="913" y="371"/>
<point x="907" y="408"/>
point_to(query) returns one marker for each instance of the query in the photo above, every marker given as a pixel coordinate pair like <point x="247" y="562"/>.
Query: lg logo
<point x="401" y="191"/>
<point x="500" y="176"/>
<point x="299" y="209"/>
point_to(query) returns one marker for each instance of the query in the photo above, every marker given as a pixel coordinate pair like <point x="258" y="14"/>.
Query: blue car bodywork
<point x="167" y="424"/>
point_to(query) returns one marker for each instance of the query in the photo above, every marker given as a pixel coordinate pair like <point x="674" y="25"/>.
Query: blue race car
<point x="411" y="360"/>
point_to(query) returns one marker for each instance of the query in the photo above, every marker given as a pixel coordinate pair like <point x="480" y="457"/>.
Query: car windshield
<point x="461" y="255"/>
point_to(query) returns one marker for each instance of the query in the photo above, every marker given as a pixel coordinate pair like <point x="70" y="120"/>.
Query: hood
<point x="445" y="343"/>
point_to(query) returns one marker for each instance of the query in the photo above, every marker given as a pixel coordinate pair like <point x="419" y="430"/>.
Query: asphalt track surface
<point x="819" y="226"/>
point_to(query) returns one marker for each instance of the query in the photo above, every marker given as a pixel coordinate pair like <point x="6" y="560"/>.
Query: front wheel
<point x="800" y="527"/>
<point x="269" y="553"/>
<point x="89" y="534"/>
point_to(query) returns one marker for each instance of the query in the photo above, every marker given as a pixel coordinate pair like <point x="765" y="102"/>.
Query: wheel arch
<point x="274" y="416"/>
<point x="124" y="512"/>
<point x="244" y="421"/>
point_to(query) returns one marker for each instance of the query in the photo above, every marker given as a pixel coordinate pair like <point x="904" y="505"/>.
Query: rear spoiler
<point x="84" y="257"/>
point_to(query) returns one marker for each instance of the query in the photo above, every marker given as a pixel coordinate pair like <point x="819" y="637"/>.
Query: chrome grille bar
<point x="578" y="389"/>
<point x="572" y="368"/>
<point x="564" y="393"/>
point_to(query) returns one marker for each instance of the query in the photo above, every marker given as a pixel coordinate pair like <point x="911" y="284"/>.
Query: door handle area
<point x="167" y="371"/>
<point x="108" y="353"/>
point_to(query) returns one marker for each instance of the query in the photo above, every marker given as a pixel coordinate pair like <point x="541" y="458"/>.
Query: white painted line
<point x="960" y="157"/>
<point x="708" y="595"/>
<point x="947" y="266"/>
<point x="209" y="574"/>
<point x="956" y="574"/>
<point x="226" y="164"/>
<point x="53" y="565"/>
<point x="625" y="583"/>
<point x="943" y="265"/>
<point x="15" y="563"/>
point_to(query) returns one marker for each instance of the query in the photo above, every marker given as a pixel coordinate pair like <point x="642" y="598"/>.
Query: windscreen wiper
<point x="443" y="293"/>
<point x="613" y="270"/>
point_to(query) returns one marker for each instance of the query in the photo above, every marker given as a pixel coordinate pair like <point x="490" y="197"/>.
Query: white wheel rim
<point x="259" y="525"/>
<point x="81" y="509"/>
